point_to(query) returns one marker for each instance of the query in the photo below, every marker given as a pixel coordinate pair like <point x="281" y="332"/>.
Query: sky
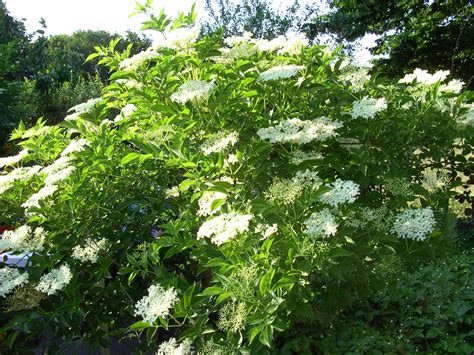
<point x="67" y="16"/>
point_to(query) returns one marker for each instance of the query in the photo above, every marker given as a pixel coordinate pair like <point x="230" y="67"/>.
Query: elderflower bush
<point x="222" y="192"/>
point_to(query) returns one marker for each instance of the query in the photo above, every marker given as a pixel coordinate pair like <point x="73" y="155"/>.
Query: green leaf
<point x="129" y="158"/>
<point x="212" y="291"/>
<point x="140" y="325"/>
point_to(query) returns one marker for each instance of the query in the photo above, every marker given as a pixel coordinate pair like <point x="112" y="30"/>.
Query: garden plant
<point x="222" y="193"/>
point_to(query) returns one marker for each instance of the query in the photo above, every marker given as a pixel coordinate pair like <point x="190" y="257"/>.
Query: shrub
<point x="214" y="198"/>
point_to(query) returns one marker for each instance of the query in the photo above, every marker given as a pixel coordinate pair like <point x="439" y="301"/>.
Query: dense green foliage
<point x="233" y="198"/>
<point x="432" y="35"/>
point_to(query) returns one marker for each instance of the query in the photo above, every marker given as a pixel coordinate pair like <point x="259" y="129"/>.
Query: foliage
<point x="225" y="196"/>
<point x="432" y="35"/>
<point x="255" y="16"/>
<point x="429" y="310"/>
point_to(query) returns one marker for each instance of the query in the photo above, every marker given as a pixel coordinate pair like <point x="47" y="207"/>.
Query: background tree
<point x="256" y="16"/>
<point x="431" y="35"/>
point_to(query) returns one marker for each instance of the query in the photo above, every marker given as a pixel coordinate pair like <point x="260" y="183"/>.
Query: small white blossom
<point x="194" y="90"/>
<point x="8" y="161"/>
<point x="55" y="280"/>
<point x="134" y="62"/>
<point x="34" y="199"/>
<point x="358" y="78"/>
<point x="264" y="45"/>
<point x="205" y="202"/>
<point x="182" y="38"/>
<point x="299" y="156"/>
<point x="266" y="230"/>
<point x="341" y="192"/>
<point x="59" y="164"/>
<point x="172" y="192"/>
<point x="157" y="304"/>
<point x="233" y="41"/>
<point x="280" y="72"/>
<point x="294" y="44"/>
<point x="423" y="77"/>
<point x="10" y="278"/>
<point x="90" y="251"/>
<point x="23" y="239"/>
<point x="454" y="85"/>
<point x="35" y="131"/>
<point x="18" y="174"/>
<point x="231" y="159"/>
<point x="321" y="224"/>
<point x="224" y="227"/>
<point x="74" y="146"/>
<point x="309" y="179"/>
<point x="172" y="347"/>
<point x="415" y="224"/>
<point x="59" y="175"/>
<point x="298" y="131"/>
<point x="86" y="106"/>
<point x="368" y="107"/>
<point x="220" y="142"/>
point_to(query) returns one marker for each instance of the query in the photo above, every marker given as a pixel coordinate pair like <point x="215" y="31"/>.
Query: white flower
<point x="23" y="239"/>
<point x="134" y="62"/>
<point x="225" y="227"/>
<point x="231" y="159"/>
<point x="453" y="86"/>
<point x="90" y="251"/>
<point x="157" y="304"/>
<point x="264" y="45"/>
<point x="59" y="175"/>
<point x="13" y="159"/>
<point x="246" y="37"/>
<point x="266" y="230"/>
<point x="172" y="347"/>
<point x="358" y="78"/>
<point x="194" y="90"/>
<point x="86" y="106"/>
<point x="368" y="107"/>
<point x="205" y="202"/>
<point x="55" y="280"/>
<point x="294" y="44"/>
<point x="34" y="199"/>
<point x="297" y="131"/>
<point x="10" y="278"/>
<point x="423" y="77"/>
<point x="128" y="109"/>
<point x="220" y="142"/>
<point x="59" y="164"/>
<point x="172" y="192"/>
<point x="415" y="224"/>
<point x="467" y="119"/>
<point x="182" y="38"/>
<point x="74" y="146"/>
<point x="341" y="192"/>
<point x="280" y="72"/>
<point x="24" y="173"/>
<point x="321" y="224"/>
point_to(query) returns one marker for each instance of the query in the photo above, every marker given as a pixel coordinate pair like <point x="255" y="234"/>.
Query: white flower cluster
<point x="434" y="179"/>
<point x="285" y="191"/>
<point x="90" y="251"/>
<point x="298" y="131"/>
<point x="157" y="304"/>
<point x="220" y="142"/>
<point x="195" y="91"/>
<point x="454" y="86"/>
<point x="55" y="280"/>
<point x="172" y="347"/>
<point x="10" y="278"/>
<point x="358" y="78"/>
<point x="126" y="111"/>
<point x="415" y="224"/>
<point x="179" y="39"/>
<point x="172" y="192"/>
<point x="280" y="72"/>
<point x="232" y="317"/>
<point x="341" y="192"/>
<point x="34" y="199"/>
<point x="291" y="44"/>
<point x="75" y="146"/>
<point x="266" y="230"/>
<point x="134" y="62"/>
<point x="18" y="174"/>
<point x="206" y="200"/>
<point x="81" y="108"/>
<point x="129" y="83"/>
<point x="23" y="239"/>
<point x="467" y="119"/>
<point x="423" y="77"/>
<point x="225" y="227"/>
<point x="299" y="156"/>
<point x="368" y="107"/>
<point x="60" y="175"/>
<point x="8" y="161"/>
<point x="321" y="224"/>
